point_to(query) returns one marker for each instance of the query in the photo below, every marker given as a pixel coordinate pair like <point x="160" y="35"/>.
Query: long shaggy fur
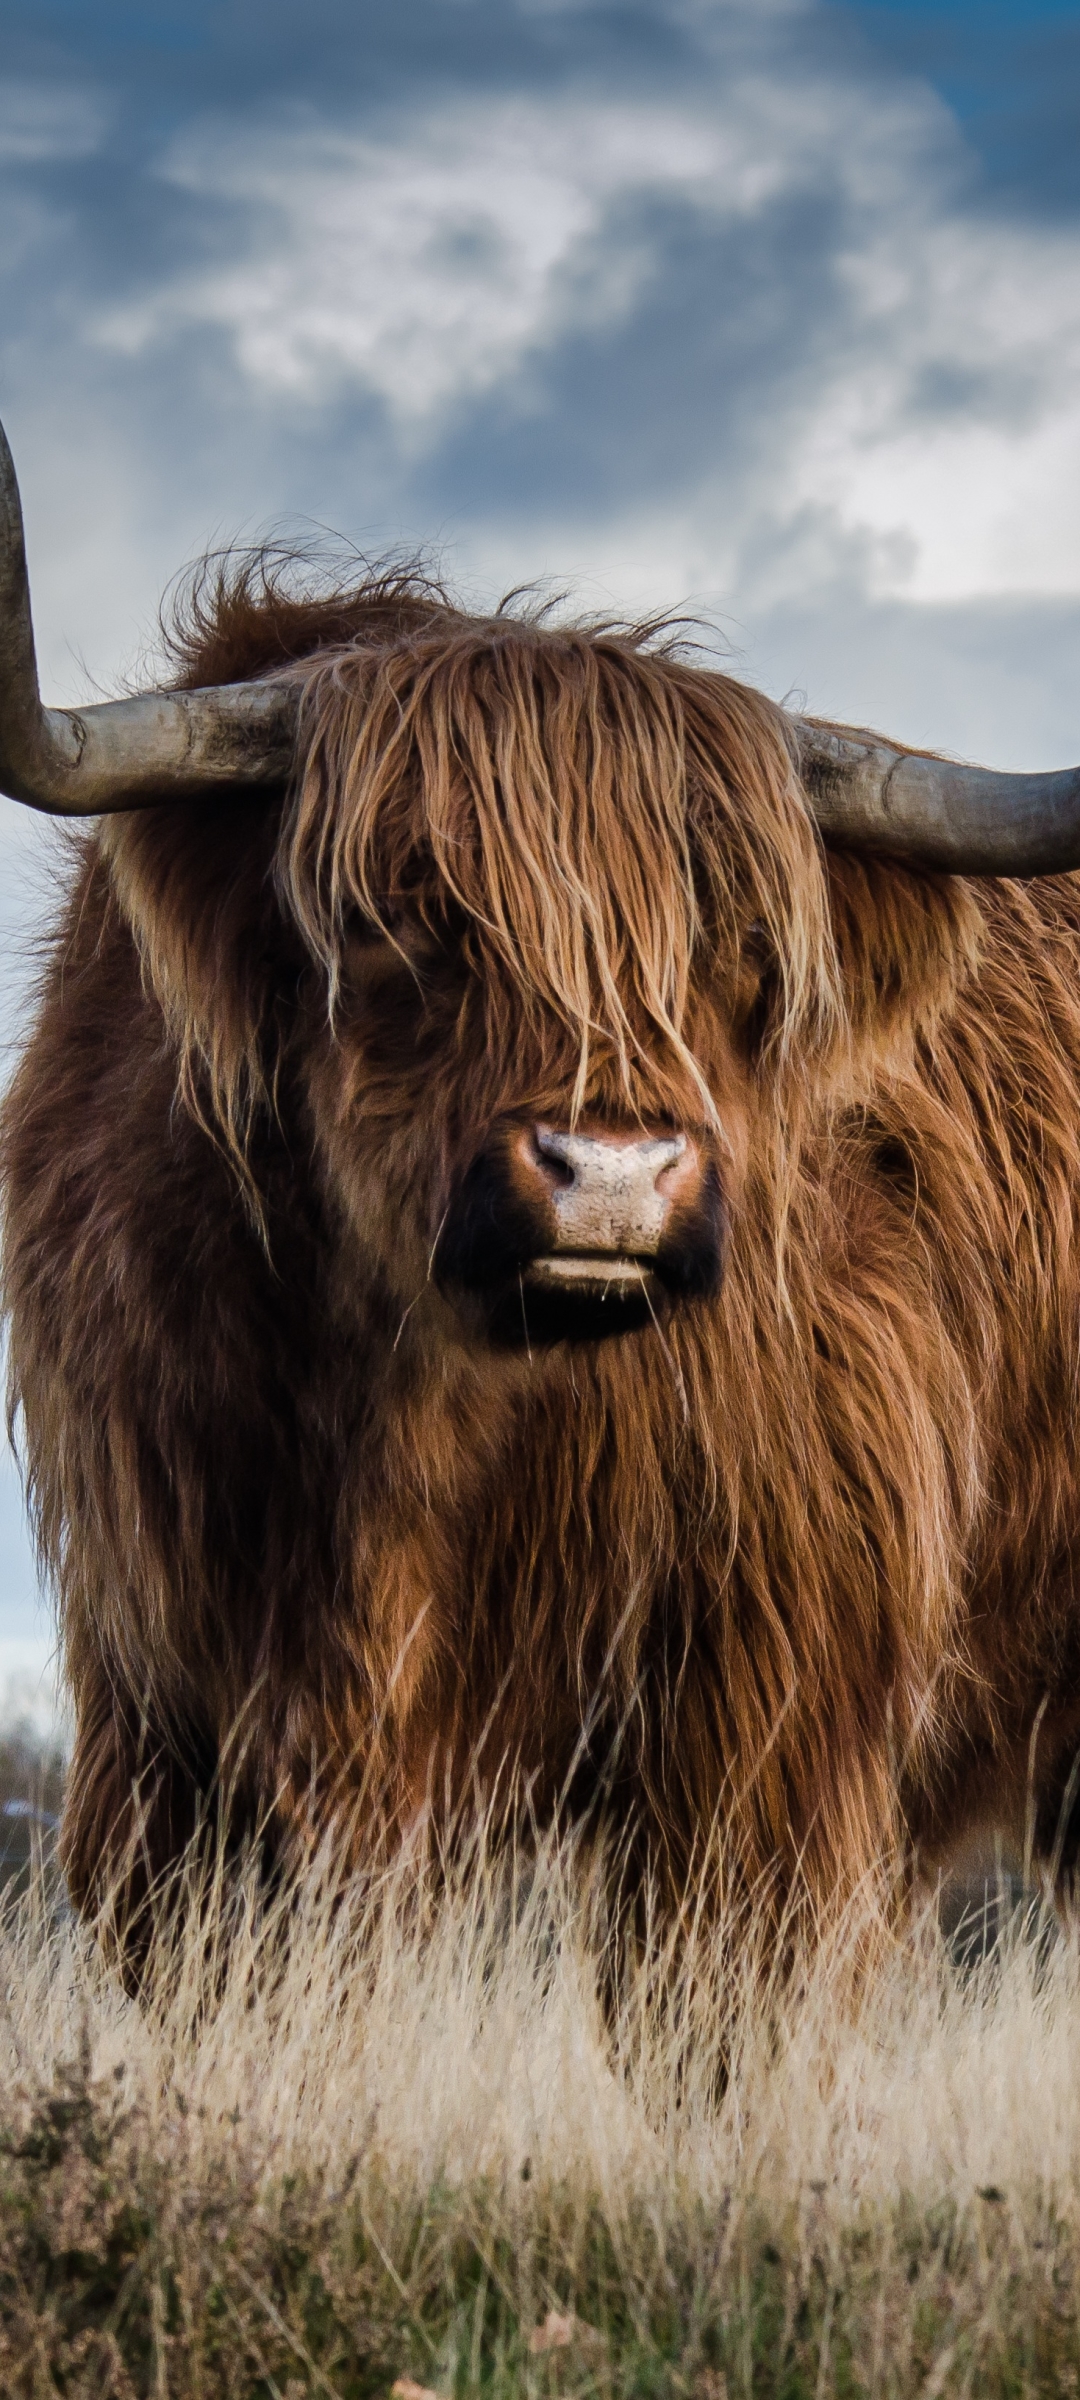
<point x="796" y="1568"/>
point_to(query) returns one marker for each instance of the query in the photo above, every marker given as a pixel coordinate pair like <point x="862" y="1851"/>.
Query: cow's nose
<point x="607" y="1193"/>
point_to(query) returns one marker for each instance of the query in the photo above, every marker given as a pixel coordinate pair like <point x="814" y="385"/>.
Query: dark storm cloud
<point x="1009" y="69"/>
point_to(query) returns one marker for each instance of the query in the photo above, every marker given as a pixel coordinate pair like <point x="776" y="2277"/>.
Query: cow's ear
<point x="906" y="942"/>
<point x="196" y="885"/>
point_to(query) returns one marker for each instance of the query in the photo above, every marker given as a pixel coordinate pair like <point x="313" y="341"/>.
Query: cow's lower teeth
<point x="576" y="1268"/>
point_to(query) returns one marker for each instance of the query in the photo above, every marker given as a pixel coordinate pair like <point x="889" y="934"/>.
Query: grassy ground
<point x="367" y="2143"/>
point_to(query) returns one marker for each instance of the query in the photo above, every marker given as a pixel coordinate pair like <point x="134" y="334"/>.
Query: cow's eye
<point x="755" y="988"/>
<point x="382" y="921"/>
<point x="397" y="932"/>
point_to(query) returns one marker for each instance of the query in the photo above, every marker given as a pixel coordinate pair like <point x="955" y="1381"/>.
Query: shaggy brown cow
<point x="527" y="1271"/>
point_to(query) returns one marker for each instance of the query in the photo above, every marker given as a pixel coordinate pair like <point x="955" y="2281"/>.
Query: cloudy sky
<point x="767" y="309"/>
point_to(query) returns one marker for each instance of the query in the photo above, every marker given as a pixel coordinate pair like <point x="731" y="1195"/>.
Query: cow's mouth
<point x="584" y="1270"/>
<point x="578" y="1296"/>
<point x="538" y="1248"/>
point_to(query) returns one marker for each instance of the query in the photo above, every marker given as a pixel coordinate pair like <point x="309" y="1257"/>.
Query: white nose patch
<point x="610" y="1201"/>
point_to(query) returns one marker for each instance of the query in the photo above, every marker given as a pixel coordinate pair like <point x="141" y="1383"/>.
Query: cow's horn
<point x="928" y="812"/>
<point x="176" y="745"/>
<point x="82" y="762"/>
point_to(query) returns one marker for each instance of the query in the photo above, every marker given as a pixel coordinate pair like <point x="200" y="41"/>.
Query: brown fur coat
<point x="800" y="1564"/>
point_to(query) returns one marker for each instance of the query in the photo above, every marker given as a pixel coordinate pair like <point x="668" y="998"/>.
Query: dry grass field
<point x="469" y="2145"/>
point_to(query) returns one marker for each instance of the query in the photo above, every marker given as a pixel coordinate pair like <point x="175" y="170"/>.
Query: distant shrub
<point x="32" y="1769"/>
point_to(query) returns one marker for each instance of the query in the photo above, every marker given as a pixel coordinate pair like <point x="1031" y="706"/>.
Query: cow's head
<point x="554" y="889"/>
<point x="532" y="928"/>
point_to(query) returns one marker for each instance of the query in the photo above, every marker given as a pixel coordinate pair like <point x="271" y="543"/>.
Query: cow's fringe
<point x="598" y="813"/>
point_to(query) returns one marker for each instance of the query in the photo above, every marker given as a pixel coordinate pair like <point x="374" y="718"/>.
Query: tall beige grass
<point x="487" y="2062"/>
<point x="461" y="2036"/>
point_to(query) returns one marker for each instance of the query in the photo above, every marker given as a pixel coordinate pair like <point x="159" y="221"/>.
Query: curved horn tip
<point x="933" y="813"/>
<point x="123" y="754"/>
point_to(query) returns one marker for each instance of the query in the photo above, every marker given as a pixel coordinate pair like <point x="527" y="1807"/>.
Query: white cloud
<point x="425" y="266"/>
<point x="953" y="424"/>
<point x="938" y="423"/>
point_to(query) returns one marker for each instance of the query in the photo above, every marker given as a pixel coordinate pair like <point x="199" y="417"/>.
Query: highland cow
<point x="542" y="1251"/>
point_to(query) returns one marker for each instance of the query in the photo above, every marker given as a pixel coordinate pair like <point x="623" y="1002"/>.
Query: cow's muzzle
<point x="555" y="1234"/>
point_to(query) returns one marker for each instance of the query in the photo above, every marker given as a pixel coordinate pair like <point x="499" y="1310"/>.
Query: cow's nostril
<point x="669" y="1153"/>
<point x="551" y="1158"/>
